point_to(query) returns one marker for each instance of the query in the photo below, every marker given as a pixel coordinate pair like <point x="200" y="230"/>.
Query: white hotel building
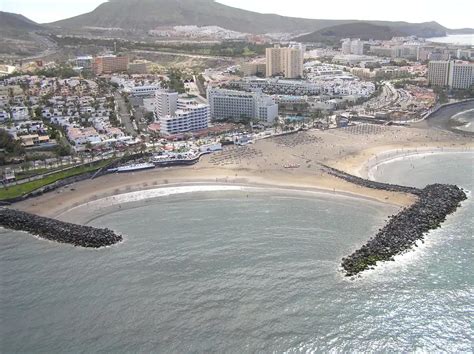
<point x="177" y="116"/>
<point x="237" y="105"/>
<point x="166" y="103"/>
<point x="455" y="74"/>
<point x="191" y="119"/>
<point x="461" y="75"/>
<point x="144" y="91"/>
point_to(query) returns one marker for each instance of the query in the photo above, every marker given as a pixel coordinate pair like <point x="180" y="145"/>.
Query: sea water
<point x="459" y="39"/>
<point x="465" y="120"/>
<point x="240" y="271"/>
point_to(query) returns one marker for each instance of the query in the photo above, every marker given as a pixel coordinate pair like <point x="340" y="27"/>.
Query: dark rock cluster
<point x="59" y="231"/>
<point x="434" y="203"/>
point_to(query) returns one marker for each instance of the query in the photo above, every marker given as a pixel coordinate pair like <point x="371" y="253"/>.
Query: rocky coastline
<point x="435" y="202"/>
<point x="59" y="231"/>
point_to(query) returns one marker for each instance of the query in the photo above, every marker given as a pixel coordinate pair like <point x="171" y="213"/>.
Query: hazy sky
<point x="452" y="14"/>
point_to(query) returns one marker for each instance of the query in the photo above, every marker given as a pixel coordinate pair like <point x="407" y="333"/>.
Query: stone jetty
<point x="403" y="230"/>
<point x="59" y="231"/>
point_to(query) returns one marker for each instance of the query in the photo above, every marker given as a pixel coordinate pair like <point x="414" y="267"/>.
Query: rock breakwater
<point x="370" y="184"/>
<point x="435" y="202"/>
<point x="59" y="231"/>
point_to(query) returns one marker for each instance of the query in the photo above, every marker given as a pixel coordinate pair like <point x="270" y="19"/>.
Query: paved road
<point x="183" y="54"/>
<point x="124" y="115"/>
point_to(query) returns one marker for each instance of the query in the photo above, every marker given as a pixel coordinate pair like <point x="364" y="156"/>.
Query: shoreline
<point x="388" y="156"/>
<point x="363" y="161"/>
<point x="131" y="198"/>
<point x="82" y="193"/>
<point x="420" y="210"/>
<point x="259" y="165"/>
<point x="56" y="204"/>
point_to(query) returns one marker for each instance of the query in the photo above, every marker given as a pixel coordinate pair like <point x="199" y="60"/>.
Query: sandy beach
<point x="263" y="164"/>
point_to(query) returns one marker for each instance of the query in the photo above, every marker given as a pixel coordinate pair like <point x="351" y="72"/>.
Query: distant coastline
<point x="459" y="39"/>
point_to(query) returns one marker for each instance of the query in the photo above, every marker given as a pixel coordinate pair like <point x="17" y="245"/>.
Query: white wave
<point x="99" y="206"/>
<point x="462" y="113"/>
<point x="150" y="194"/>
<point x="432" y="242"/>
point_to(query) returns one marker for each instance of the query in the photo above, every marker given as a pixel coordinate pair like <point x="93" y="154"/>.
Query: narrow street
<point x="124" y="115"/>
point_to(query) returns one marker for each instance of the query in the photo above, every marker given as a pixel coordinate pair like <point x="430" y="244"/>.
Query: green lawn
<point x="34" y="172"/>
<point x="21" y="189"/>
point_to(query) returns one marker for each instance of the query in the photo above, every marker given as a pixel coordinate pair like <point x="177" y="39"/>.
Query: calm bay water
<point x="245" y="272"/>
<point x="465" y="120"/>
<point x="460" y="39"/>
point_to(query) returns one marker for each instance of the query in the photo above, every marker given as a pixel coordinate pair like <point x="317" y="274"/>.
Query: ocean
<point x="459" y="39"/>
<point x="245" y="270"/>
<point x="464" y="120"/>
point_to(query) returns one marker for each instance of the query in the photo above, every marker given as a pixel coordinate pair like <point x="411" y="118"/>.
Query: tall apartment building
<point x="190" y="118"/>
<point x="166" y="103"/>
<point x="355" y="46"/>
<point x="239" y="105"/>
<point x="109" y="64"/>
<point x="346" y="46"/>
<point x="275" y="64"/>
<point x="177" y="116"/>
<point x="294" y="62"/>
<point x="458" y="75"/>
<point x="461" y="75"/>
<point x="438" y="72"/>
<point x="287" y="61"/>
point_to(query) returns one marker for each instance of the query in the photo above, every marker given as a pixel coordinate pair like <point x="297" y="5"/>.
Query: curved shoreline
<point x="177" y="189"/>
<point x="442" y="116"/>
<point x="388" y="156"/>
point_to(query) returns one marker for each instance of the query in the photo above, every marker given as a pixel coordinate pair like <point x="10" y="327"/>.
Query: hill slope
<point x="16" y="35"/>
<point x="148" y="14"/>
<point x="362" y="30"/>
<point x="16" y="22"/>
<point x="377" y="30"/>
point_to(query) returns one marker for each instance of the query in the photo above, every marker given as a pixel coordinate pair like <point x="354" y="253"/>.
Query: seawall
<point x="59" y="231"/>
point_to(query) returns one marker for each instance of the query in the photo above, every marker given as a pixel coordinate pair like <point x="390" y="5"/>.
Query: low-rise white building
<point x="145" y="91"/>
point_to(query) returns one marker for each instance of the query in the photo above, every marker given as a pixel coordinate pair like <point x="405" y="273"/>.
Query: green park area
<point x="18" y="190"/>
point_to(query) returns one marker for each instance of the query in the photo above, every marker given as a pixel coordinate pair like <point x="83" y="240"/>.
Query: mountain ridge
<point x="362" y="30"/>
<point x="144" y="15"/>
<point x="14" y="21"/>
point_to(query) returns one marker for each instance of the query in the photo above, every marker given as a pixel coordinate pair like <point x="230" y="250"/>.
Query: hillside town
<point x="236" y="176"/>
<point x="93" y="107"/>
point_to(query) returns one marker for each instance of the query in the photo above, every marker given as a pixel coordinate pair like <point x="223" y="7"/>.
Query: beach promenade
<point x="264" y="164"/>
